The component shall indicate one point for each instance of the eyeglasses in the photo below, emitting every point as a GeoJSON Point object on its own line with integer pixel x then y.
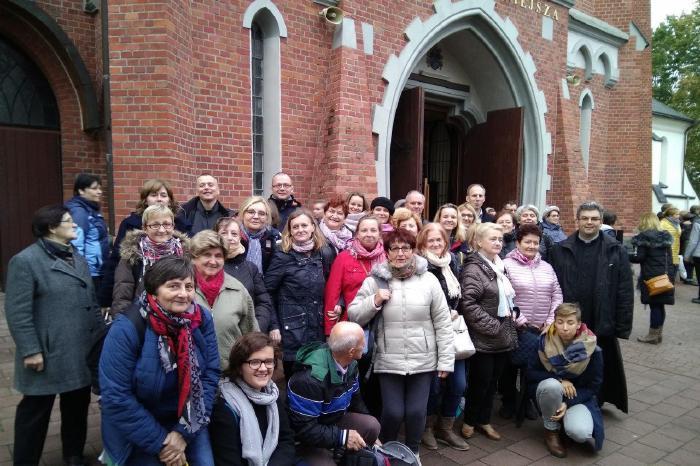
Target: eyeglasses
{"type": "Point", "coordinates": [256, 363]}
{"type": "Point", "coordinates": [158, 226]}
{"type": "Point", "coordinates": [282, 185]}
{"type": "Point", "coordinates": [252, 212]}
{"type": "Point", "coordinates": [590, 219]}
{"type": "Point", "coordinates": [403, 249]}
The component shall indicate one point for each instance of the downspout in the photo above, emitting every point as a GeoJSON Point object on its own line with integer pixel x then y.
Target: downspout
{"type": "Point", "coordinates": [685, 148]}
{"type": "Point", "coordinates": [107, 112]}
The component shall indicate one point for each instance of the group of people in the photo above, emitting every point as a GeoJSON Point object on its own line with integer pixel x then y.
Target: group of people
{"type": "Point", "coordinates": [360, 302]}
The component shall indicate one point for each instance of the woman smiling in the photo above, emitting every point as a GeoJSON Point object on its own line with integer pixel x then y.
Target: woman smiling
{"type": "Point", "coordinates": [332, 225]}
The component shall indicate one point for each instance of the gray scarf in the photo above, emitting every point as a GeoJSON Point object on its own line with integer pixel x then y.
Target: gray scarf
{"type": "Point", "coordinates": [240, 397]}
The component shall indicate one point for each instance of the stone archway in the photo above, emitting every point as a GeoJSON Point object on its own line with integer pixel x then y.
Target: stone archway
{"type": "Point", "coordinates": [501, 37]}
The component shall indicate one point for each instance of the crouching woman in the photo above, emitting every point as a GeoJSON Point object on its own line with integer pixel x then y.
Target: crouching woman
{"type": "Point", "coordinates": [249, 424]}
{"type": "Point", "coordinates": [565, 379]}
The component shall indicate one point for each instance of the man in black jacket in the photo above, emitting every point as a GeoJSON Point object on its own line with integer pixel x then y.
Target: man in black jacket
{"type": "Point", "coordinates": [202, 211]}
{"type": "Point", "coordinates": [283, 197]}
{"type": "Point", "coordinates": [325, 407]}
{"type": "Point", "coordinates": [594, 271]}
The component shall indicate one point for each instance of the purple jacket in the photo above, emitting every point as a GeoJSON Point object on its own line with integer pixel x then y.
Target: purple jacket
{"type": "Point", "coordinates": [537, 291]}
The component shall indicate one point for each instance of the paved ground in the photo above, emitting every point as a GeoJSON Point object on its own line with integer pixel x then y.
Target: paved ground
{"type": "Point", "coordinates": [663, 426]}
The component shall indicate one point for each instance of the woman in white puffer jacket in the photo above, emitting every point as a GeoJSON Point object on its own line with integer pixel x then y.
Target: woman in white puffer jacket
{"type": "Point", "coordinates": [414, 336]}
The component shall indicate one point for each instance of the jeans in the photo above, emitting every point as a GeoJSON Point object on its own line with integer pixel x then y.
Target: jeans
{"type": "Point", "coordinates": [404, 400]}
{"type": "Point", "coordinates": [484, 371]}
{"type": "Point", "coordinates": [578, 422]}
{"type": "Point", "coordinates": [32, 422]}
{"type": "Point", "coordinates": [450, 389]}
{"type": "Point", "coordinates": [657, 315]}
{"type": "Point", "coordinates": [198, 452]}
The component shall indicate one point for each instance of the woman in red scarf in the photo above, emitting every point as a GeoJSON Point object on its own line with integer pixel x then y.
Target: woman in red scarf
{"type": "Point", "coordinates": [228, 299]}
{"type": "Point", "coordinates": [158, 378]}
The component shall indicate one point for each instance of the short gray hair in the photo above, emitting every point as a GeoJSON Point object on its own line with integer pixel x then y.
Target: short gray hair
{"type": "Point", "coordinates": [346, 337]}
{"type": "Point", "coordinates": [412, 192]}
{"type": "Point", "coordinates": [529, 207]}
{"type": "Point", "coordinates": [589, 205]}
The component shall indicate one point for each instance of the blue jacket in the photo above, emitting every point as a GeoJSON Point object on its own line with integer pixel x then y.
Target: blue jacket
{"type": "Point", "coordinates": [139, 400]}
{"type": "Point", "coordinates": [587, 387]}
{"type": "Point", "coordinates": [94, 243]}
{"type": "Point", "coordinates": [552, 230]}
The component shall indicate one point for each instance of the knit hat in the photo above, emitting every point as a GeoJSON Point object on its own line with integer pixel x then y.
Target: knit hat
{"type": "Point", "coordinates": [383, 202]}
{"type": "Point", "coordinates": [549, 209]}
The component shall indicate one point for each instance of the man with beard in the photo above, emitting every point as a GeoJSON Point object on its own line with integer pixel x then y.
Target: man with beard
{"type": "Point", "coordinates": [593, 270]}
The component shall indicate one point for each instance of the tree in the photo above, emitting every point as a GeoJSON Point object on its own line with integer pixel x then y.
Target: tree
{"type": "Point", "coordinates": [676, 76]}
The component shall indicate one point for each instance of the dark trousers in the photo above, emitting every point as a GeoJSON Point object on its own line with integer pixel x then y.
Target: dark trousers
{"type": "Point", "coordinates": [657, 315]}
{"type": "Point", "coordinates": [696, 263]}
{"type": "Point", "coordinates": [404, 399]}
{"type": "Point", "coordinates": [507, 384]}
{"type": "Point", "coordinates": [365, 425]}
{"type": "Point", "coordinates": [32, 421]}
{"type": "Point", "coordinates": [484, 371]}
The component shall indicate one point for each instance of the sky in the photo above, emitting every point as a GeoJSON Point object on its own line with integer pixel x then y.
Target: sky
{"type": "Point", "coordinates": [662, 8]}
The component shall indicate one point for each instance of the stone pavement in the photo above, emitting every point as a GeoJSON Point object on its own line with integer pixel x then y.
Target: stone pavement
{"type": "Point", "coordinates": [663, 426]}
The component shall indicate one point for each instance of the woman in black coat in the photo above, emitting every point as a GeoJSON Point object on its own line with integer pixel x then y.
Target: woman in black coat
{"type": "Point", "coordinates": [653, 252]}
{"type": "Point", "coordinates": [249, 422]}
{"type": "Point", "coordinates": [258, 237]}
{"type": "Point", "coordinates": [296, 279]}
{"type": "Point", "coordinates": [248, 274]}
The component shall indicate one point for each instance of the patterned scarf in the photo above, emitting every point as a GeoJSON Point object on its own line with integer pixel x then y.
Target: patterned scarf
{"type": "Point", "coordinates": [375, 256]}
{"type": "Point", "coordinates": [152, 251]}
{"type": "Point", "coordinates": [338, 238]}
{"type": "Point", "coordinates": [210, 286]}
{"type": "Point", "coordinates": [566, 361]}
{"type": "Point", "coordinates": [176, 349]}
{"type": "Point", "coordinates": [453, 288]}
{"type": "Point", "coordinates": [405, 271]}
{"type": "Point", "coordinates": [305, 247]}
{"type": "Point", "coordinates": [254, 247]}
{"type": "Point", "coordinates": [352, 219]}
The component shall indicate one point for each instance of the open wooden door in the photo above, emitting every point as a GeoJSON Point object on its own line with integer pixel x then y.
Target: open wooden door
{"type": "Point", "coordinates": [406, 153]}
{"type": "Point", "coordinates": [493, 157]}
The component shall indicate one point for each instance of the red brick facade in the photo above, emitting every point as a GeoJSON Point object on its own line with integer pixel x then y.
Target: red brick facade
{"type": "Point", "coordinates": [181, 105]}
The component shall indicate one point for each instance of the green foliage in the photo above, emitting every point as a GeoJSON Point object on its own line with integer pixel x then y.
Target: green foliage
{"type": "Point", "coordinates": [676, 76]}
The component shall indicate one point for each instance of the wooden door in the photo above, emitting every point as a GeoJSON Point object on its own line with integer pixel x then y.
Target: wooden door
{"type": "Point", "coordinates": [406, 152]}
{"type": "Point", "coordinates": [30, 177]}
{"type": "Point", "coordinates": [493, 157]}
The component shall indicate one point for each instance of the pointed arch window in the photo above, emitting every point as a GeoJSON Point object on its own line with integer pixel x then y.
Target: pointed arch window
{"type": "Point", "coordinates": [586, 105]}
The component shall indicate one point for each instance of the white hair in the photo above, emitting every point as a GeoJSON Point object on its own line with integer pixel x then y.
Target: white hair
{"type": "Point", "coordinates": [344, 336]}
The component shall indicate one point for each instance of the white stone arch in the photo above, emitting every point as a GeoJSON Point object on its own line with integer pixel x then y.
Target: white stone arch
{"type": "Point", "coordinates": [258, 5]}
{"type": "Point", "coordinates": [585, 50]}
{"type": "Point", "coordinates": [501, 37]}
{"type": "Point", "coordinates": [586, 93]}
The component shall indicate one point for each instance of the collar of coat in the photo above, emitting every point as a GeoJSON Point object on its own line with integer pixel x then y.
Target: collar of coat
{"type": "Point", "coordinates": [383, 271]}
{"type": "Point", "coordinates": [653, 239]}
{"type": "Point", "coordinates": [608, 241]}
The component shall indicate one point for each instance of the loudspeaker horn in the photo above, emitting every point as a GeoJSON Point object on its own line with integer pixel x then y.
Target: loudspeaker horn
{"type": "Point", "coordinates": [574, 80]}
{"type": "Point", "coordinates": [332, 15]}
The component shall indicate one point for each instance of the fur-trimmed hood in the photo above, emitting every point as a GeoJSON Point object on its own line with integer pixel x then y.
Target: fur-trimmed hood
{"type": "Point", "coordinates": [653, 239]}
{"type": "Point", "coordinates": [383, 272]}
{"type": "Point", "coordinates": [131, 252]}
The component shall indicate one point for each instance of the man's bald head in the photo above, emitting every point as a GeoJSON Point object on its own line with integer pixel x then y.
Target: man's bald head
{"type": "Point", "coordinates": [346, 336]}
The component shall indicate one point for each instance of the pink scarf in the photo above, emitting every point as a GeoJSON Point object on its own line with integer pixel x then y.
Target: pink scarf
{"type": "Point", "coordinates": [375, 256]}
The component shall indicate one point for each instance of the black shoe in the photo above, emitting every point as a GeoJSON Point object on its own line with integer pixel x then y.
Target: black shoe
{"type": "Point", "coordinates": [530, 411]}
{"type": "Point", "coordinates": [76, 461]}
{"type": "Point", "coordinates": [506, 411]}
{"type": "Point", "coordinates": [690, 282]}
{"type": "Point", "coordinates": [695, 300]}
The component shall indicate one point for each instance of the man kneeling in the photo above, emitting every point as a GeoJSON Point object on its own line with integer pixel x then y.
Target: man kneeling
{"type": "Point", "coordinates": [326, 410]}
{"type": "Point", "coordinates": [565, 380]}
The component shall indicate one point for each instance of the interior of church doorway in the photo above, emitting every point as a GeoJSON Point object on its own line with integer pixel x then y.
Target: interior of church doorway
{"type": "Point", "coordinates": [30, 149]}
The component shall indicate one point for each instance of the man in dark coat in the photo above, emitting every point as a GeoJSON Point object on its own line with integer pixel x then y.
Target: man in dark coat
{"type": "Point", "coordinates": [283, 198]}
{"type": "Point", "coordinates": [594, 271]}
{"type": "Point", "coordinates": [476, 196]}
{"type": "Point", "coordinates": [202, 211]}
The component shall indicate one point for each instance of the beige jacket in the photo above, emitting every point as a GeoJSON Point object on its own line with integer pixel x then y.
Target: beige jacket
{"type": "Point", "coordinates": [234, 315]}
{"type": "Point", "coordinates": [414, 331]}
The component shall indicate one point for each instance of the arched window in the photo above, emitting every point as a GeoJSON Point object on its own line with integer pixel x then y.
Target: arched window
{"type": "Point", "coordinates": [586, 105]}
{"type": "Point", "coordinates": [26, 99]}
{"type": "Point", "coordinates": [266, 26]}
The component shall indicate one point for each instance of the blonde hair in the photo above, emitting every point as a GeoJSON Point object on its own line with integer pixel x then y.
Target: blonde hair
{"type": "Point", "coordinates": [460, 233]}
{"type": "Point", "coordinates": [481, 230]}
{"type": "Point", "coordinates": [422, 238]}
{"type": "Point", "coordinates": [568, 309]}
{"type": "Point", "coordinates": [206, 240]}
{"type": "Point", "coordinates": [155, 210]}
{"type": "Point", "coordinates": [671, 211]}
{"type": "Point", "coordinates": [402, 214]}
{"type": "Point", "coordinates": [317, 236]}
{"type": "Point", "coordinates": [468, 206]}
{"type": "Point", "coordinates": [245, 205]}
{"type": "Point", "coordinates": [649, 221]}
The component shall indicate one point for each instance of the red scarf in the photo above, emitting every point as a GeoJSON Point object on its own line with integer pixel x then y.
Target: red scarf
{"type": "Point", "coordinates": [179, 338]}
{"type": "Point", "coordinates": [210, 286]}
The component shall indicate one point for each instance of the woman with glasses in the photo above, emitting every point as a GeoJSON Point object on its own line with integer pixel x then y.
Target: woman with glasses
{"type": "Point", "coordinates": [413, 341]}
{"type": "Point", "coordinates": [140, 249]}
{"type": "Point", "coordinates": [249, 424]}
{"type": "Point", "coordinates": [332, 225]}
{"type": "Point", "coordinates": [248, 274]}
{"type": "Point", "coordinates": [296, 280]}
{"type": "Point", "coordinates": [487, 307]}
{"type": "Point", "coordinates": [229, 301]}
{"type": "Point", "coordinates": [467, 215]}
{"type": "Point", "coordinates": [258, 237]}
{"type": "Point", "coordinates": [51, 309]}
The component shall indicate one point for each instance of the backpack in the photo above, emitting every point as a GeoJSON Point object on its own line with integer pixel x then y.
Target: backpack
{"type": "Point", "coordinates": [390, 454]}
{"type": "Point", "coordinates": [133, 313]}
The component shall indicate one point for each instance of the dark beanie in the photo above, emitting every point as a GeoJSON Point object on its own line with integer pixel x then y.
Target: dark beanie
{"type": "Point", "coordinates": [383, 202]}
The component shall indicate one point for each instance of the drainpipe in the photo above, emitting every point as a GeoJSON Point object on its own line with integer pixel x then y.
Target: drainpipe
{"type": "Point", "coordinates": [685, 147]}
{"type": "Point", "coordinates": [107, 112]}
